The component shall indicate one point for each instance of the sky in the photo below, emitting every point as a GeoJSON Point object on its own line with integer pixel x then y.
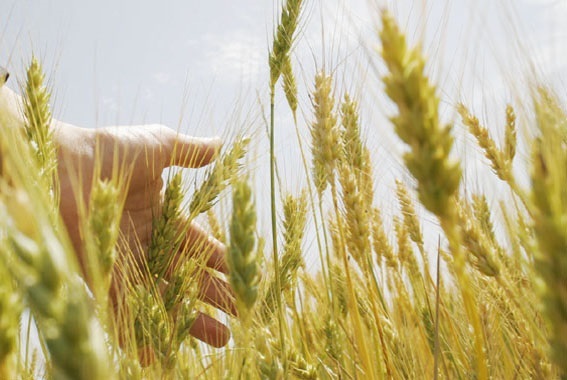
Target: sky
{"type": "Point", "coordinates": [201, 66]}
{"type": "Point", "coordinates": [142, 61]}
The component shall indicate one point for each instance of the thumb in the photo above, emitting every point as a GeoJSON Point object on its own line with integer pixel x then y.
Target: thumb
{"type": "Point", "coordinates": [192, 152]}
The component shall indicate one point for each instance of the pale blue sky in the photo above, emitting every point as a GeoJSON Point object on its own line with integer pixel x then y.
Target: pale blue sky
{"type": "Point", "coordinates": [132, 61]}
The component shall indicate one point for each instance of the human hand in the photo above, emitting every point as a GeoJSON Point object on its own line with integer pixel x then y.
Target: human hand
{"type": "Point", "coordinates": [146, 151]}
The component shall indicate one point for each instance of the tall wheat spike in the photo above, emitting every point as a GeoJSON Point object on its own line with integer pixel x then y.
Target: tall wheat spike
{"type": "Point", "coordinates": [283, 39]}
{"type": "Point", "coordinates": [279, 62]}
{"type": "Point", "coordinates": [501, 164]}
{"type": "Point", "coordinates": [356, 217]}
{"type": "Point", "coordinates": [550, 200]}
{"type": "Point", "coordinates": [38, 125]}
{"type": "Point", "coordinates": [325, 134]}
{"type": "Point", "coordinates": [241, 259]}
{"type": "Point", "coordinates": [417, 122]}
{"type": "Point", "coordinates": [438, 177]}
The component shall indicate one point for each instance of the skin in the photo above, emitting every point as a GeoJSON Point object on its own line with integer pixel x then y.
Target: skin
{"type": "Point", "coordinates": [145, 151]}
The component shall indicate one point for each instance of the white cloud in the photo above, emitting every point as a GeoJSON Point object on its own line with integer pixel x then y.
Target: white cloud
{"type": "Point", "coordinates": [161, 77]}
{"type": "Point", "coordinates": [552, 3]}
{"type": "Point", "coordinates": [110, 103]}
{"type": "Point", "coordinates": [237, 57]}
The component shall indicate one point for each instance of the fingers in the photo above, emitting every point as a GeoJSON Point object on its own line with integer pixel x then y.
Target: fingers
{"type": "Point", "coordinates": [201, 246]}
{"type": "Point", "coordinates": [192, 152]}
{"type": "Point", "coordinates": [217, 293]}
{"type": "Point", "coordinates": [210, 331]}
{"type": "Point", "coordinates": [205, 328]}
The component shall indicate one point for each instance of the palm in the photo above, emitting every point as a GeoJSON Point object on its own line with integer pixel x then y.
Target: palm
{"type": "Point", "coordinates": [145, 151]}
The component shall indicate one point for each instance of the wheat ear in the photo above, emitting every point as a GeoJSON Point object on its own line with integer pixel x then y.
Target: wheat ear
{"type": "Point", "coordinates": [39, 132]}
{"type": "Point", "coordinates": [325, 134]}
{"type": "Point", "coordinates": [550, 200]}
{"type": "Point", "coordinates": [438, 177]}
{"type": "Point", "coordinates": [57, 298]}
{"type": "Point", "coordinates": [295, 213]}
{"type": "Point", "coordinates": [218, 178]}
{"type": "Point", "coordinates": [242, 259]}
{"type": "Point", "coordinates": [283, 39]}
{"type": "Point", "coordinates": [105, 211]}
{"type": "Point", "coordinates": [166, 238]}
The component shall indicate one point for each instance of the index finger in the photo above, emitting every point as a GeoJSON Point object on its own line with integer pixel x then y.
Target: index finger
{"type": "Point", "coordinates": [198, 244]}
{"type": "Point", "coordinates": [192, 152]}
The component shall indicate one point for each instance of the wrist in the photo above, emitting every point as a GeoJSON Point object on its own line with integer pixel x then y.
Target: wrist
{"type": "Point", "coordinates": [10, 109]}
{"type": "Point", "coordinates": [74, 143]}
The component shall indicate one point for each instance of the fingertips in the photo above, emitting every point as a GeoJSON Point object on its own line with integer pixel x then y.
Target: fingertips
{"type": "Point", "coordinates": [217, 293]}
{"type": "Point", "coordinates": [202, 245]}
{"type": "Point", "coordinates": [210, 331]}
{"type": "Point", "coordinates": [193, 152]}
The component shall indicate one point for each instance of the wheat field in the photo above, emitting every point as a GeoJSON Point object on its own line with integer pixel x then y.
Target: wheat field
{"type": "Point", "coordinates": [487, 300]}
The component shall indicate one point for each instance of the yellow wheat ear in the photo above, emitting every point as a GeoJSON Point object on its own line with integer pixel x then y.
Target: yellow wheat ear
{"type": "Point", "coordinates": [438, 177]}
{"type": "Point", "coordinates": [417, 122]}
{"type": "Point", "coordinates": [325, 134]}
